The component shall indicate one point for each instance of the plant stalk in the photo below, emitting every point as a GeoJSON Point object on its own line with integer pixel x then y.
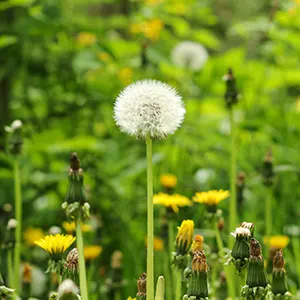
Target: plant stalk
{"type": "Point", "coordinates": [150, 227]}
{"type": "Point", "coordinates": [233, 205]}
{"type": "Point", "coordinates": [82, 270]}
{"type": "Point", "coordinates": [268, 212]}
{"type": "Point", "coordinates": [10, 267]}
{"type": "Point", "coordinates": [18, 232]}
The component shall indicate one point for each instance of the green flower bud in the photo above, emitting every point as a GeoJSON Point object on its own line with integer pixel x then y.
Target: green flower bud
{"type": "Point", "coordinates": [267, 170]}
{"type": "Point", "coordinates": [231, 94]}
{"type": "Point", "coordinates": [160, 288]}
{"type": "Point", "coordinates": [279, 285]}
{"type": "Point", "coordinates": [197, 281]}
{"type": "Point", "coordinates": [15, 138]}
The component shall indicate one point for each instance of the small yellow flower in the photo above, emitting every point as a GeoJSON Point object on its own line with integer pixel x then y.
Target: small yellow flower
{"type": "Point", "coordinates": [276, 241]}
{"type": "Point", "coordinates": [158, 243]}
{"type": "Point", "coordinates": [103, 56]}
{"type": "Point", "coordinates": [86, 39]}
{"type": "Point", "coordinates": [174, 201]}
{"type": "Point", "coordinates": [184, 236]}
{"type": "Point", "coordinates": [153, 2]}
{"type": "Point", "coordinates": [197, 243]}
{"type": "Point", "coordinates": [211, 198]}
{"type": "Point", "coordinates": [297, 1]}
{"type": "Point", "coordinates": [168, 180]}
{"type": "Point", "coordinates": [70, 227]}
{"type": "Point", "coordinates": [150, 29]}
{"type": "Point", "coordinates": [129, 298]}
{"type": "Point", "coordinates": [92, 252]}
{"type": "Point", "coordinates": [33, 234]}
{"type": "Point", "coordinates": [125, 75]}
{"type": "Point", "coordinates": [56, 244]}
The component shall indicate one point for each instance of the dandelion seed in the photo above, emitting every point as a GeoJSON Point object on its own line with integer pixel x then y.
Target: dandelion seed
{"type": "Point", "coordinates": [190, 55]}
{"type": "Point", "coordinates": [149, 107]}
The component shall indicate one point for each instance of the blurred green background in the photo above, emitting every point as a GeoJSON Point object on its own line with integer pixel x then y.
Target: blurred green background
{"type": "Point", "coordinates": [64, 62]}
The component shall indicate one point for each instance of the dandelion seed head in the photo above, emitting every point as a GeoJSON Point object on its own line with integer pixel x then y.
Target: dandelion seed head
{"type": "Point", "coordinates": [149, 107]}
{"type": "Point", "coordinates": [190, 55]}
{"type": "Point", "coordinates": [241, 231]}
{"type": "Point", "coordinates": [67, 287]}
{"type": "Point", "coordinates": [12, 224]}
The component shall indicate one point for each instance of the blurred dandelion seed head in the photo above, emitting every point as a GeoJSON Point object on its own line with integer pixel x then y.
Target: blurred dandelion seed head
{"type": "Point", "coordinates": [12, 224]}
{"type": "Point", "coordinates": [190, 55]}
{"type": "Point", "coordinates": [67, 287]}
{"type": "Point", "coordinates": [149, 107]}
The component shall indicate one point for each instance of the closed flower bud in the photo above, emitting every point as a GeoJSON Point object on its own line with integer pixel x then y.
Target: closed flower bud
{"type": "Point", "coordinates": [241, 251]}
{"type": "Point", "coordinates": [15, 138]}
{"type": "Point", "coordinates": [141, 287]}
{"type": "Point", "coordinates": [231, 94]}
{"type": "Point", "coordinates": [267, 170]}
{"type": "Point", "coordinates": [256, 283]}
{"type": "Point", "coordinates": [279, 285]}
{"type": "Point", "coordinates": [197, 281]}
{"type": "Point", "coordinates": [184, 237]}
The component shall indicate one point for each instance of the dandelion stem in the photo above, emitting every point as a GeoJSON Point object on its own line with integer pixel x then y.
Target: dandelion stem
{"type": "Point", "coordinates": [18, 232]}
{"type": "Point", "coordinates": [10, 268]}
{"type": "Point", "coordinates": [228, 271]}
{"type": "Point", "coordinates": [268, 212]}
{"type": "Point", "coordinates": [178, 284]}
{"type": "Point", "coordinates": [82, 271]}
{"type": "Point", "coordinates": [167, 273]}
{"type": "Point", "coordinates": [150, 228]}
{"type": "Point", "coordinates": [233, 206]}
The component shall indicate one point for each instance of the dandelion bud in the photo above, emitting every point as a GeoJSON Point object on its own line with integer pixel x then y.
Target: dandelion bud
{"type": "Point", "coordinates": [160, 288]}
{"type": "Point", "coordinates": [256, 283]}
{"type": "Point", "coordinates": [197, 244]}
{"type": "Point", "coordinates": [197, 287]}
{"type": "Point", "coordinates": [141, 287]}
{"type": "Point", "coordinates": [231, 94]}
{"type": "Point", "coordinates": [72, 261]}
{"type": "Point", "coordinates": [279, 285]}
{"type": "Point", "coordinates": [149, 108]}
{"type": "Point", "coordinates": [240, 186]}
{"type": "Point", "coordinates": [68, 290]}
{"type": "Point", "coordinates": [221, 224]}
{"type": "Point", "coordinates": [184, 237]}
{"type": "Point", "coordinates": [15, 138]}
{"type": "Point", "coordinates": [267, 170]}
{"type": "Point", "coordinates": [76, 191]}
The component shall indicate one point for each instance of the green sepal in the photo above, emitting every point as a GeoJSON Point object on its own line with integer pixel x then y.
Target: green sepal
{"type": "Point", "coordinates": [279, 285]}
{"type": "Point", "coordinates": [197, 285]}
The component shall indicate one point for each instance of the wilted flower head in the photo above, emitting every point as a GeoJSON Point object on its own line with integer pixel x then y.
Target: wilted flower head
{"type": "Point", "coordinates": [197, 243]}
{"type": "Point", "coordinates": [72, 261]}
{"type": "Point", "coordinates": [149, 107]}
{"type": "Point", "coordinates": [189, 54]}
{"type": "Point", "coordinates": [141, 285]}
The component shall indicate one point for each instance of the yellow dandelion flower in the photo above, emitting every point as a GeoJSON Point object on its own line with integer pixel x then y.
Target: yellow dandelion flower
{"type": "Point", "coordinates": [129, 298]}
{"type": "Point", "coordinates": [150, 29]}
{"type": "Point", "coordinates": [103, 56]}
{"type": "Point", "coordinates": [173, 201]}
{"type": "Point", "coordinates": [211, 198]}
{"type": "Point", "coordinates": [158, 243]}
{"type": "Point", "coordinates": [92, 252]}
{"type": "Point", "coordinates": [153, 2]}
{"type": "Point", "coordinates": [86, 39]}
{"type": "Point", "coordinates": [197, 243]}
{"type": "Point", "coordinates": [125, 75]}
{"type": "Point", "coordinates": [292, 10]}
{"type": "Point", "coordinates": [184, 237]}
{"type": "Point", "coordinates": [70, 227]}
{"type": "Point", "coordinates": [297, 1]}
{"type": "Point", "coordinates": [33, 234]}
{"type": "Point", "coordinates": [276, 241]}
{"type": "Point", "coordinates": [168, 180]}
{"type": "Point", "coordinates": [56, 244]}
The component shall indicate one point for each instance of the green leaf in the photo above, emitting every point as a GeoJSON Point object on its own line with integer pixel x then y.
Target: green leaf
{"type": "Point", "coordinates": [7, 40]}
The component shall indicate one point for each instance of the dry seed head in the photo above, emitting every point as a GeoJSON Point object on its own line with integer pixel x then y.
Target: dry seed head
{"type": "Point", "coordinates": [72, 260]}
{"type": "Point", "coordinates": [199, 262]}
{"type": "Point", "coordinates": [278, 261]}
{"type": "Point", "coordinates": [141, 285]}
{"type": "Point", "coordinates": [255, 249]}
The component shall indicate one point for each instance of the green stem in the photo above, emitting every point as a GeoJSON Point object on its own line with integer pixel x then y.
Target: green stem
{"type": "Point", "coordinates": [296, 249]}
{"type": "Point", "coordinates": [233, 205]}
{"type": "Point", "coordinates": [228, 271]}
{"type": "Point", "coordinates": [82, 271]}
{"type": "Point", "coordinates": [18, 232]}
{"type": "Point", "coordinates": [268, 212]}
{"type": "Point", "coordinates": [214, 281]}
{"type": "Point", "coordinates": [171, 249]}
{"type": "Point", "coordinates": [167, 273]}
{"type": "Point", "coordinates": [10, 267]}
{"type": "Point", "coordinates": [178, 284]}
{"type": "Point", "coordinates": [150, 227]}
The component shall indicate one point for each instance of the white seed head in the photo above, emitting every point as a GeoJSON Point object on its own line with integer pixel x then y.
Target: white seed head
{"type": "Point", "coordinates": [16, 124]}
{"type": "Point", "coordinates": [54, 230]}
{"type": "Point", "coordinates": [149, 107]}
{"type": "Point", "coordinates": [67, 287]}
{"type": "Point", "coordinates": [241, 231]}
{"type": "Point", "coordinates": [12, 224]}
{"type": "Point", "coordinates": [190, 55]}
